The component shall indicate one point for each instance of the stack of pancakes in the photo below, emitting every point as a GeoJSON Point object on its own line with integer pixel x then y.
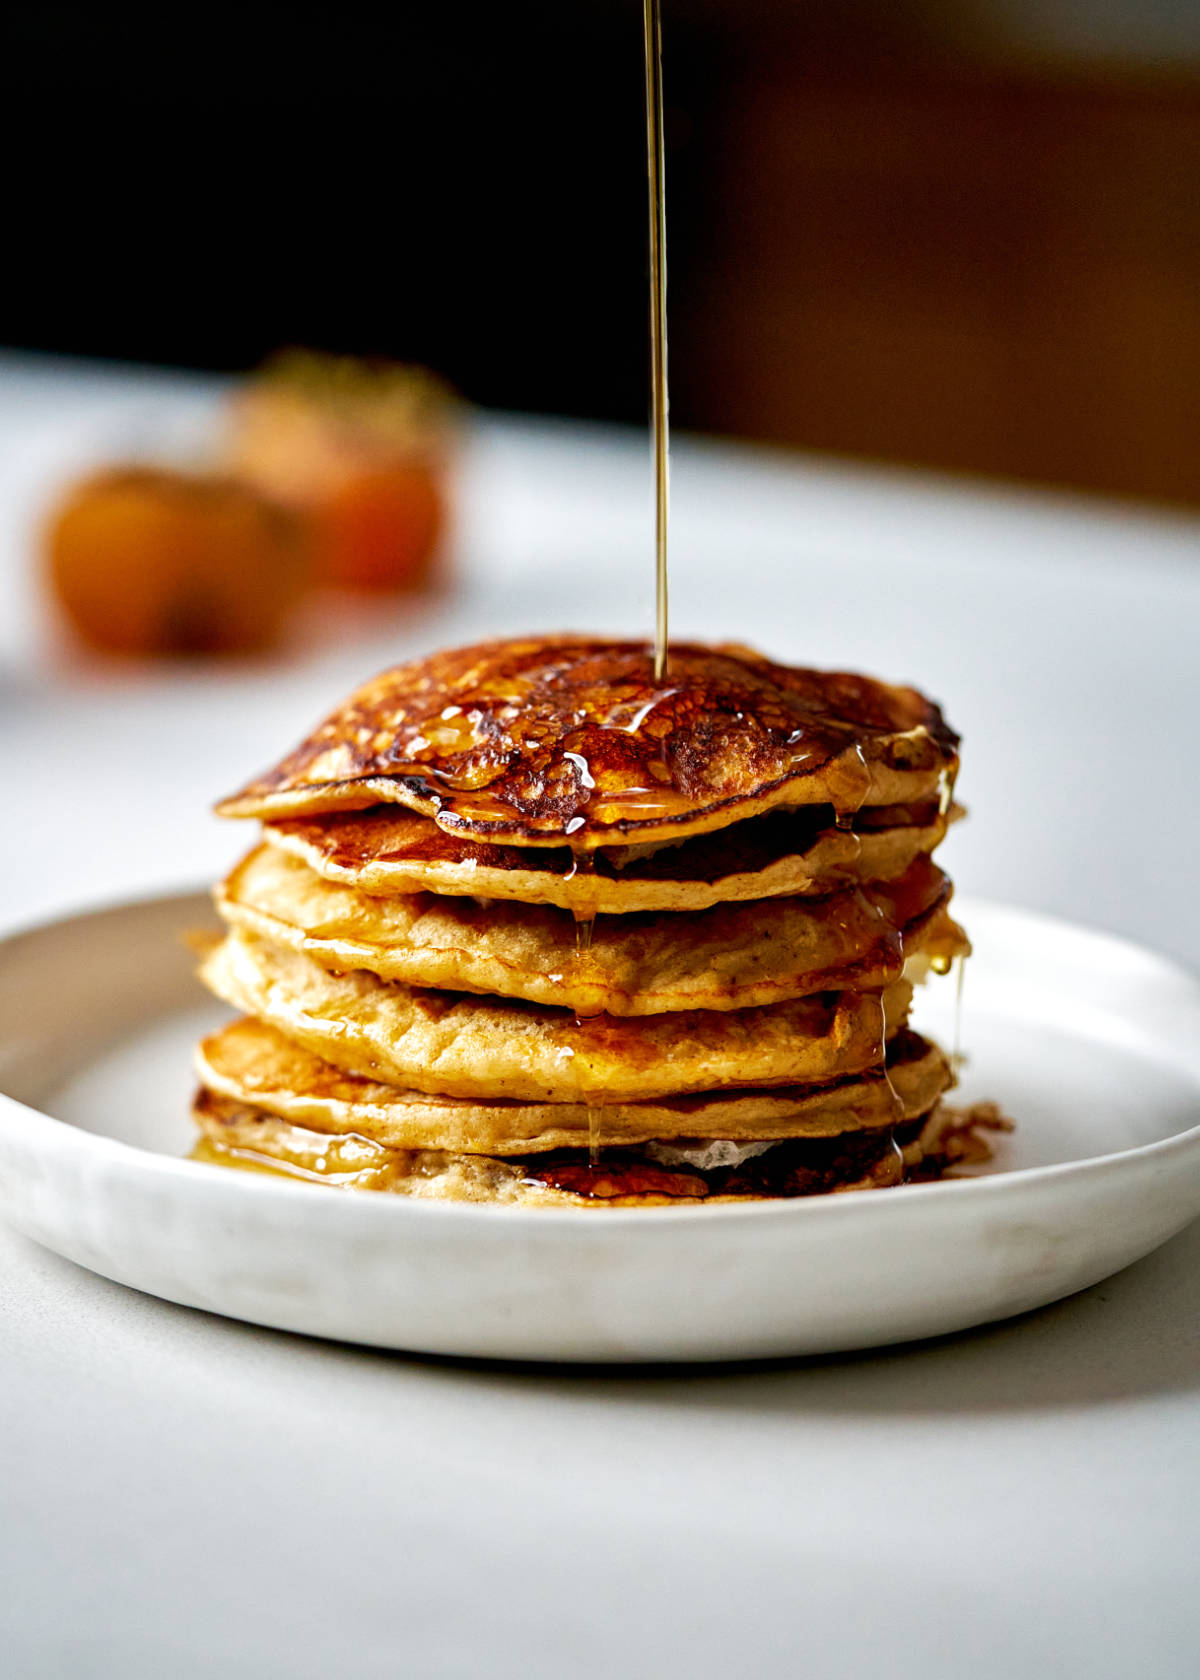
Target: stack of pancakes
{"type": "Point", "coordinates": [526, 926]}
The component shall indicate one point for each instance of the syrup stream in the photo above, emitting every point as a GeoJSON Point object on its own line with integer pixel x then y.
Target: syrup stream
{"type": "Point", "coordinates": [659, 424]}
{"type": "Point", "coordinates": [660, 439]}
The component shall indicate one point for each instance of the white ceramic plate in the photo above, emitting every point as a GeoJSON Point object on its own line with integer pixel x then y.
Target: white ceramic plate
{"type": "Point", "coordinates": [1092, 1044]}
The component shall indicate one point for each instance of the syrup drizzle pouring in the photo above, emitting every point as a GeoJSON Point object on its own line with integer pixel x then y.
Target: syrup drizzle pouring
{"type": "Point", "coordinates": [582, 860]}
{"type": "Point", "coordinates": [659, 421]}
{"type": "Point", "coordinates": [858, 778]}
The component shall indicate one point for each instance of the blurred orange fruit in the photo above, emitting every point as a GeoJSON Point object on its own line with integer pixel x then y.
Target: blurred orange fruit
{"type": "Point", "coordinates": [144, 560]}
{"type": "Point", "coordinates": [359, 448]}
{"type": "Point", "coordinates": [379, 528]}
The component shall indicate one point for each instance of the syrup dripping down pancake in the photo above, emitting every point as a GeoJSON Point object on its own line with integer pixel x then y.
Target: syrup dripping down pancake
{"type": "Point", "coordinates": [465, 1046]}
{"type": "Point", "coordinates": [252, 1066]}
{"type": "Point", "coordinates": [552, 739]}
{"type": "Point", "coordinates": [388, 851]}
{"type": "Point", "coordinates": [732, 957]}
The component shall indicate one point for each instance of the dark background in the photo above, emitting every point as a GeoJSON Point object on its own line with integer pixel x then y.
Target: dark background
{"type": "Point", "coordinates": [907, 231]}
{"type": "Point", "coordinates": [460, 185]}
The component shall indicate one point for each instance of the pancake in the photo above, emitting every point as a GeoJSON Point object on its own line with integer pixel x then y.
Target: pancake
{"type": "Point", "coordinates": [388, 851]}
{"type": "Point", "coordinates": [731, 957]}
{"type": "Point", "coordinates": [551, 739]}
{"type": "Point", "coordinates": [921, 1149]}
{"type": "Point", "coordinates": [934, 1144]}
{"type": "Point", "coordinates": [251, 1066]}
{"type": "Point", "coordinates": [463, 1046]}
{"type": "Point", "coordinates": [244, 1137]}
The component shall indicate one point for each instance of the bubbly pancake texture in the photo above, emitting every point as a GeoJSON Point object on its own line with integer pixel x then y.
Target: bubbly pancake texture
{"type": "Point", "coordinates": [735, 956]}
{"type": "Point", "coordinates": [388, 851]}
{"type": "Point", "coordinates": [543, 740]}
{"type": "Point", "coordinates": [464, 1046]}
{"type": "Point", "coordinates": [253, 1066]}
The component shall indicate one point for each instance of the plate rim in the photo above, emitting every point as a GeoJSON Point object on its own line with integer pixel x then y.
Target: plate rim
{"type": "Point", "coordinates": [180, 1169]}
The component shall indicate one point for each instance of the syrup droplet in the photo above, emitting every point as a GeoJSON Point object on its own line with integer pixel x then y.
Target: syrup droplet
{"type": "Point", "coordinates": [586, 779]}
{"type": "Point", "coordinates": [946, 780]}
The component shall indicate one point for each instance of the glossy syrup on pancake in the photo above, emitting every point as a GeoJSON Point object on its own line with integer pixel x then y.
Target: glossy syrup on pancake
{"type": "Point", "coordinates": [569, 740]}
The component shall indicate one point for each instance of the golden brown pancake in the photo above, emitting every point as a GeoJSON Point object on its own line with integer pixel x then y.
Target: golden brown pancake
{"type": "Point", "coordinates": [731, 957]}
{"type": "Point", "coordinates": [247, 1137]}
{"type": "Point", "coordinates": [919, 1150]}
{"type": "Point", "coordinates": [252, 1066]}
{"type": "Point", "coordinates": [550, 739]}
{"type": "Point", "coordinates": [463, 1046]}
{"type": "Point", "coordinates": [925, 1147]}
{"type": "Point", "coordinates": [689, 1168]}
{"type": "Point", "coordinates": [388, 851]}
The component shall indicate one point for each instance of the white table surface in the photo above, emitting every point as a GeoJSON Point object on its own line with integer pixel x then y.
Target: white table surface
{"type": "Point", "coordinates": [180, 1495]}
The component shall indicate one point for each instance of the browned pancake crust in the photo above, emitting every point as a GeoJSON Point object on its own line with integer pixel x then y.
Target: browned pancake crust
{"type": "Point", "coordinates": [547, 739]}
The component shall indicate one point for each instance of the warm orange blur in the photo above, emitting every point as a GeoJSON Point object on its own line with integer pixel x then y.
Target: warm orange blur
{"type": "Point", "coordinates": [379, 528]}
{"type": "Point", "coordinates": [359, 449]}
{"type": "Point", "coordinates": [145, 561]}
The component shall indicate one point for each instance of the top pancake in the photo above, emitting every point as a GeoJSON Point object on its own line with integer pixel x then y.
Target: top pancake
{"type": "Point", "coordinates": [546, 740]}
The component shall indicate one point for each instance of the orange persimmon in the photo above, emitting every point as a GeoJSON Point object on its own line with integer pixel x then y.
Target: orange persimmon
{"type": "Point", "coordinates": [359, 449]}
{"type": "Point", "coordinates": [379, 528]}
{"type": "Point", "coordinates": [148, 561]}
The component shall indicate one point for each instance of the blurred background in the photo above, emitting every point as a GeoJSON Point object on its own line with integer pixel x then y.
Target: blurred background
{"type": "Point", "coordinates": [958, 233]}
